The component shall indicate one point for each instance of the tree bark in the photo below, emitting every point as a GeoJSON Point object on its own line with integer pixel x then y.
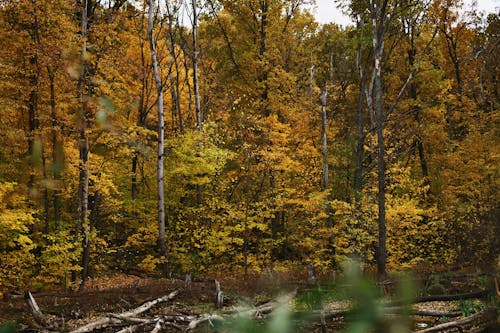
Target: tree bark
{"type": "Point", "coordinates": [83, 185]}
{"type": "Point", "coordinates": [174, 82]}
{"type": "Point", "coordinates": [358, 170]}
{"type": "Point", "coordinates": [143, 108]}
{"type": "Point", "coordinates": [33, 98]}
{"type": "Point", "coordinates": [199, 120]}
{"type": "Point", "coordinates": [57, 158]}
{"type": "Point", "coordinates": [161, 140]}
{"type": "Point", "coordinates": [413, 95]}
{"type": "Point", "coordinates": [262, 52]}
{"type": "Point", "coordinates": [324, 178]}
{"type": "Point", "coordinates": [378, 20]}
{"type": "Point", "coordinates": [324, 143]}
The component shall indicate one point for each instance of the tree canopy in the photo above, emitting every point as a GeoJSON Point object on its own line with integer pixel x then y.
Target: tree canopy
{"type": "Point", "coordinates": [281, 141]}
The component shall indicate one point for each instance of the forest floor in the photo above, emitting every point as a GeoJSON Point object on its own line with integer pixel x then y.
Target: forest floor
{"type": "Point", "coordinates": [120, 293]}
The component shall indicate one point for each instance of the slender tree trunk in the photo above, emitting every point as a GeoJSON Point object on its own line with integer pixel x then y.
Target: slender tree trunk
{"type": "Point", "coordinates": [199, 119]}
{"type": "Point", "coordinates": [33, 98]}
{"type": "Point", "coordinates": [311, 79]}
{"type": "Point", "coordinates": [413, 95]}
{"type": "Point", "coordinates": [324, 178]}
{"type": "Point", "coordinates": [324, 147]}
{"type": "Point", "coordinates": [142, 112]}
{"type": "Point", "coordinates": [174, 83]}
{"type": "Point", "coordinates": [92, 220]}
{"type": "Point", "coordinates": [187, 82]}
{"type": "Point", "coordinates": [46, 199]}
{"type": "Point", "coordinates": [134, 190]}
{"type": "Point", "coordinates": [358, 170]}
{"type": "Point", "coordinates": [83, 186]}
{"type": "Point", "coordinates": [57, 159]}
{"type": "Point", "coordinates": [161, 137]}
{"type": "Point", "coordinates": [378, 48]}
{"type": "Point", "coordinates": [262, 53]}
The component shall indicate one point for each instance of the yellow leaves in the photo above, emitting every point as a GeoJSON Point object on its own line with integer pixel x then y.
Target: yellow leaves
{"type": "Point", "coordinates": [16, 260]}
{"type": "Point", "coordinates": [143, 236]}
{"type": "Point", "coordinates": [14, 222]}
{"type": "Point", "coordinates": [150, 264]}
{"type": "Point", "coordinates": [195, 158]}
{"type": "Point", "coordinates": [58, 258]}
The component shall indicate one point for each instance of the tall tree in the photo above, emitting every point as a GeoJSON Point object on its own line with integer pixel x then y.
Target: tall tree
{"type": "Point", "coordinates": [83, 185]}
{"type": "Point", "coordinates": [199, 120]}
{"type": "Point", "coordinates": [161, 137]}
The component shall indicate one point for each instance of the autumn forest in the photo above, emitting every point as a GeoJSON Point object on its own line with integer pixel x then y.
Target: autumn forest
{"type": "Point", "coordinates": [243, 137]}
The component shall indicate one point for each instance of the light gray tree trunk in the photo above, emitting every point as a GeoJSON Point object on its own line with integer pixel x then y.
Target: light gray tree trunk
{"type": "Point", "coordinates": [161, 137]}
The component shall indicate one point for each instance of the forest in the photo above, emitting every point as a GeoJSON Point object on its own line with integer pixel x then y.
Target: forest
{"type": "Point", "coordinates": [185, 139]}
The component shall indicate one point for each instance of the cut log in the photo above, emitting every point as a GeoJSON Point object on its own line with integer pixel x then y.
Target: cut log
{"type": "Point", "coordinates": [483, 319]}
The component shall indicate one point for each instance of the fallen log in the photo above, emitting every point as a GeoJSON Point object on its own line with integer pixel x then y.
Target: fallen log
{"type": "Point", "coordinates": [158, 326]}
{"type": "Point", "coordinates": [206, 317]}
{"type": "Point", "coordinates": [267, 307]}
{"type": "Point", "coordinates": [104, 322]}
{"type": "Point", "coordinates": [424, 313]}
{"type": "Point", "coordinates": [441, 298]}
{"type": "Point", "coordinates": [257, 312]}
{"type": "Point", "coordinates": [35, 309]}
{"type": "Point", "coordinates": [483, 318]}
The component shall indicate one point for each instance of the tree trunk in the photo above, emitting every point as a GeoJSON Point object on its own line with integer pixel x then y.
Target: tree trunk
{"type": "Point", "coordinates": [324, 178]}
{"type": "Point", "coordinates": [187, 82]}
{"type": "Point", "coordinates": [378, 49]}
{"type": "Point", "coordinates": [142, 111]}
{"type": "Point", "coordinates": [134, 191]}
{"type": "Point", "coordinates": [262, 51]}
{"type": "Point", "coordinates": [174, 83]}
{"type": "Point", "coordinates": [83, 185]}
{"type": "Point", "coordinates": [161, 137]}
{"type": "Point", "coordinates": [199, 120]}
{"type": "Point", "coordinates": [33, 99]}
{"type": "Point", "coordinates": [57, 158]}
{"type": "Point", "coordinates": [358, 170]}
{"type": "Point", "coordinates": [324, 147]}
{"type": "Point", "coordinates": [413, 95]}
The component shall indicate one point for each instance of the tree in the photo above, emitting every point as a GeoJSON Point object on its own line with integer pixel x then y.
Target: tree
{"type": "Point", "coordinates": [161, 138]}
